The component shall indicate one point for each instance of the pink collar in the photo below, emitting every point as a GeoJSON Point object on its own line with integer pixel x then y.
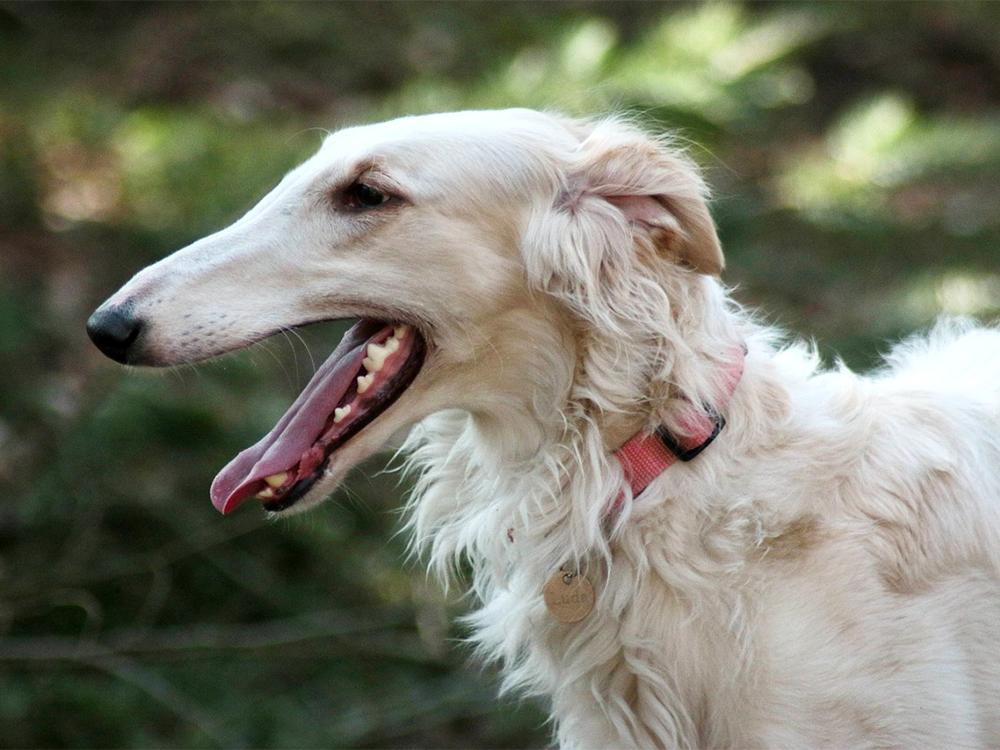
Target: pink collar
{"type": "Point", "coordinates": [646, 455]}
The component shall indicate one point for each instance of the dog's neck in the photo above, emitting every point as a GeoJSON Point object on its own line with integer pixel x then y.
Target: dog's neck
{"type": "Point", "coordinates": [550, 475]}
{"type": "Point", "coordinates": [617, 429]}
{"type": "Point", "coordinates": [477, 482]}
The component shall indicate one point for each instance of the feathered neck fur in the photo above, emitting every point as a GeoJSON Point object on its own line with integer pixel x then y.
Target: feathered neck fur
{"type": "Point", "coordinates": [546, 483]}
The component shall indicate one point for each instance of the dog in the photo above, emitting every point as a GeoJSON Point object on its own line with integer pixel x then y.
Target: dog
{"type": "Point", "coordinates": [682, 531]}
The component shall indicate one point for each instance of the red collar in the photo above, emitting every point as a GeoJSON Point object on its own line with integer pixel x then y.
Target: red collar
{"type": "Point", "coordinates": [646, 455]}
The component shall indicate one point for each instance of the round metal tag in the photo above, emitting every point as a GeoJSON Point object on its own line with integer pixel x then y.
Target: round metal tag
{"type": "Point", "coordinates": [569, 597]}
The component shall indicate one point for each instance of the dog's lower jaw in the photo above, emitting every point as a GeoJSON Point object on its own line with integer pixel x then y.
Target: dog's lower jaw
{"type": "Point", "coordinates": [369, 441]}
{"type": "Point", "coordinates": [323, 488]}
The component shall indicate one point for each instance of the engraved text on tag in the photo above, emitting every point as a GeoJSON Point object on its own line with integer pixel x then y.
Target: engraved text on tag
{"type": "Point", "coordinates": [569, 596]}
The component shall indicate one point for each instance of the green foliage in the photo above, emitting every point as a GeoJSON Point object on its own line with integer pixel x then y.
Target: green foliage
{"type": "Point", "coordinates": [854, 149]}
{"type": "Point", "coordinates": [880, 152]}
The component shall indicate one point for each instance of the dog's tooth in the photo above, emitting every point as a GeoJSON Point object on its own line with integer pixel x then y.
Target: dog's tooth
{"type": "Point", "coordinates": [392, 344]}
{"type": "Point", "coordinates": [276, 480]}
{"type": "Point", "coordinates": [364, 382]}
{"type": "Point", "coordinates": [400, 331]}
{"type": "Point", "coordinates": [266, 494]}
{"type": "Point", "coordinates": [342, 411]}
{"type": "Point", "coordinates": [376, 357]}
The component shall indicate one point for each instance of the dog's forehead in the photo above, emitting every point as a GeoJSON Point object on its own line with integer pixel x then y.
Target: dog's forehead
{"type": "Point", "coordinates": [503, 124]}
{"type": "Point", "coordinates": [493, 143]}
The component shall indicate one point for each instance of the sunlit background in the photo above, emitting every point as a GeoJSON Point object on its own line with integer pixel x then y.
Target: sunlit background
{"type": "Point", "coordinates": [854, 150]}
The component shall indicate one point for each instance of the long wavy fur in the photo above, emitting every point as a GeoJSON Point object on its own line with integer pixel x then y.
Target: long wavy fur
{"type": "Point", "coordinates": [677, 652]}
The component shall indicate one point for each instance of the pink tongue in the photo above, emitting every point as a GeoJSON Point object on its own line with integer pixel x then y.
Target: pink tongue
{"type": "Point", "coordinates": [300, 426]}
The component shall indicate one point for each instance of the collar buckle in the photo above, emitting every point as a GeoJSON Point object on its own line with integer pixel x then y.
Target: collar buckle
{"type": "Point", "coordinates": [686, 454]}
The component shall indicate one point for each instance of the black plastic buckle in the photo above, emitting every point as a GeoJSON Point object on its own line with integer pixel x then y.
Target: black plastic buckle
{"type": "Point", "coordinates": [686, 455]}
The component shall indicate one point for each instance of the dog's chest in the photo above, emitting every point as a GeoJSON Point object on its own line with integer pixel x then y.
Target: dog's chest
{"type": "Point", "coordinates": [643, 649]}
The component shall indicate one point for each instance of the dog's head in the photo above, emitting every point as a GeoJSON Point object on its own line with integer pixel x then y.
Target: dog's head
{"type": "Point", "coordinates": [480, 251]}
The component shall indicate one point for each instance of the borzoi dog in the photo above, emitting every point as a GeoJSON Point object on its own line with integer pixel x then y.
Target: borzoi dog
{"type": "Point", "coordinates": [681, 533]}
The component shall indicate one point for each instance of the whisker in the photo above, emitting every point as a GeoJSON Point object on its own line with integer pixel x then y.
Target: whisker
{"type": "Point", "coordinates": [265, 346]}
{"type": "Point", "coordinates": [305, 344]}
{"type": "Point", "coordinates": [295, 354]}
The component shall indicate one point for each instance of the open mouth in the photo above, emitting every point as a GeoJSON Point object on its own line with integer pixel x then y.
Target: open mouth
{"type": "Point", "coordinates": [371, 367]}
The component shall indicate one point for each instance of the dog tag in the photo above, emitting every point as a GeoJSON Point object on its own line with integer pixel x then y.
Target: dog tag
{"type": "Point", "coordinates": [569, 596]}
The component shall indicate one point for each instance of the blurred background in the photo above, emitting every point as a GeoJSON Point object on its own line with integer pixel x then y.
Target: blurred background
{"type": "Point", "coordinates": [854, 150]}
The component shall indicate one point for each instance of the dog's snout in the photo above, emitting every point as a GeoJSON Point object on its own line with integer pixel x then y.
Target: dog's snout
{"type": "Point", "coordinates": [114, 331]}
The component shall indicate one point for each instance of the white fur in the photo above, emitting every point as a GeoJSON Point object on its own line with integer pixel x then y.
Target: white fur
{"type": "Point", "coordinates": [824, 575]}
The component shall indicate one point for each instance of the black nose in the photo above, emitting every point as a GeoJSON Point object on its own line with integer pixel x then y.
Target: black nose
{"type": "Point", "coordinates": [114, 330]}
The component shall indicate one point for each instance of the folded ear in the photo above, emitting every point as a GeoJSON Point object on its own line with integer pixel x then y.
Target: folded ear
{"type": "Point", "coordinates": [654, 188]}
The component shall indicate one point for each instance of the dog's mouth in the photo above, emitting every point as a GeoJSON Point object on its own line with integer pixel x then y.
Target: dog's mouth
{"type": "Point", "coordinates": [374, 363]}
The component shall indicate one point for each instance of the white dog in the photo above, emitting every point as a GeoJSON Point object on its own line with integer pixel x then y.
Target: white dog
{"type": "Point", "coordinates": [822, 574]}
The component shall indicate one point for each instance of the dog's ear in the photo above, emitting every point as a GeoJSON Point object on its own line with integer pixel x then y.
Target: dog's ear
{"type": "Point", "coordinates": [630, 210]}
{"type": "Point", "coordinates": [622, 176]}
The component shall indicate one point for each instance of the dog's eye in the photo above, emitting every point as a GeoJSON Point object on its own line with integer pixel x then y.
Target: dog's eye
{"type": "Point", "coordinates": [359, 196]}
